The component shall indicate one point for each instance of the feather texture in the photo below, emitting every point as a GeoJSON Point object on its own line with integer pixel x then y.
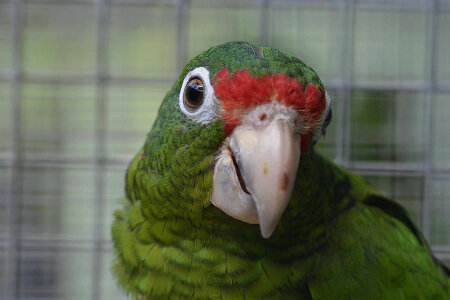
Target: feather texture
{"type": "Point", "coordinates": [337, 239]}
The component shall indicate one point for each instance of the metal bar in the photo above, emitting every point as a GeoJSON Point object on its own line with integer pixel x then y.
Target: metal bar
{"type": "Point", "coordinates": [386, 173]}
{"type": "Point", "coordinates": [145, 2]}
{"type": "Point", "coordinates": [344, 105]}
{"type": "Point", "coordinates": [383, 85]}
{"type": "Point", "coordinates": [55, 162]}
{"type": "Point", "coordinates": [14, 189]}
{"type": "Point", "coordinates": [441, 249]}
{"type": "Point", "coordinates": [228, 3]}
{"type": "Point", "coordinates": [115, 2]}
{"type": "Point", "coordinates": [181, 35]}
{"type": "Point", "coordinates": [80, 79]}
{"type": "Point", "coordinates": [381, 165]}
{"type": "Point", "coordinates": [102, 18]}
{"type": "Point", "coordinates": [405, 5]}
{"type": "Point", "coordinates": [399, 169]}
{"type": "Point", "coordinates": [428, 111]}
{"type": "Point", "coordinates": [349, 70]}
{"type": "Point", "coordinates": [86, 244]}
{"type": "Point", "coordinates": [330, 84]}
{"type": "Point", "coordinates": [264, 22]}
{"type": "Point", "coordinates": [51, 242]}
{"type": "Point", "coordinates": [386, 5]}
{"type": "Point", "coordinates": [121, 163]}
{"type": "Point", "coordinates": [37, 160]}
{"type": "Point", "coordinates": [59, 2]}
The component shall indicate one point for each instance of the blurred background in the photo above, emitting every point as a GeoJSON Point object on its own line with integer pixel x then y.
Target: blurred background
{"type": "Point", "coordinates": [81, 81]}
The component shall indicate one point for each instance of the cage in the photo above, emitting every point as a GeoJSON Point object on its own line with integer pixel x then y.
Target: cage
{"type": "Point", "coordinates": [81, 82]}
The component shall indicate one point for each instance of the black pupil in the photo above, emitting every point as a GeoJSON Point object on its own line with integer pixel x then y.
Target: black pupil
{"type": "Point", "coordinates": [194, 93]}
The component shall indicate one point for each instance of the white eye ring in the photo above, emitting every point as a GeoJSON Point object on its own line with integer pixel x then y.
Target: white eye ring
{"type": "Point", "coordinates": [209, 109]}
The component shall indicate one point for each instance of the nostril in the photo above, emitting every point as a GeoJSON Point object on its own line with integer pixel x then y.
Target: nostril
{"type": "Point", "coordinates": [263, 116]}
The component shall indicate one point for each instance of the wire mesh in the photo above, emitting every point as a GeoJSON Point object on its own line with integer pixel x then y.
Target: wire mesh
{"type": "Point", "coordinates": [81, 81]}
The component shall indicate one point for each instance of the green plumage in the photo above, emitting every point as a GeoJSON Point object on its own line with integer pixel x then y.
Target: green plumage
{"type": "Point", "coordinates": [337, 239]}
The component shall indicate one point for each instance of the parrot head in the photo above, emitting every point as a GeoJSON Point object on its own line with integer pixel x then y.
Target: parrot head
{"type": "Point", "coordinates": [229, 136]}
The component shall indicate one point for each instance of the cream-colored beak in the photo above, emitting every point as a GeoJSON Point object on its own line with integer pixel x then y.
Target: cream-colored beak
{"type": "Point", "coordinates": [256, 168]}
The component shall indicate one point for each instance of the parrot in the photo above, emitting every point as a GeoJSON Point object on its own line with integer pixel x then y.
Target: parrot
{"type": "Point", "coordinates": [228, 199]}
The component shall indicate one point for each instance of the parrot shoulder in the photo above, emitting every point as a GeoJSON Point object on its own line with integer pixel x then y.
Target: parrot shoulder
{"type": "Point", "coordinates": [396, 211]}
{"type": "Point", "coordinates": [375, 249]}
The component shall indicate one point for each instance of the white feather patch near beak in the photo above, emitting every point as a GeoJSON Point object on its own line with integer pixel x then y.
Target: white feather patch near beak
{"type": "Point", "coordinates": [256, 167]}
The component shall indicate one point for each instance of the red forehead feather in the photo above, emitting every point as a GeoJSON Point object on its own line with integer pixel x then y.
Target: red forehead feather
{"type": "Point", "coordinates": [241, 92]}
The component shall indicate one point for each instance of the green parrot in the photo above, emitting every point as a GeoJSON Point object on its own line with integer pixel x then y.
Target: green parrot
{"type": "Point", "coordinates": [227, 199]}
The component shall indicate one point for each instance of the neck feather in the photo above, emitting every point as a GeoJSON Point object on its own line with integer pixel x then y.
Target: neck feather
{"type": "Point", "coordinates": [322, 192]}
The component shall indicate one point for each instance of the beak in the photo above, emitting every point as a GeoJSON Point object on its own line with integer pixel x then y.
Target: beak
{"type": "Point", "coordinates": [256, 167]}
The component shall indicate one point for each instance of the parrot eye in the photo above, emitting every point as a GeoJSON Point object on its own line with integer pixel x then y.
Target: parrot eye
{"type": "Point", "coordinates": [194, 93]}
{"type": "Point", "coordinates": [196, 99]}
